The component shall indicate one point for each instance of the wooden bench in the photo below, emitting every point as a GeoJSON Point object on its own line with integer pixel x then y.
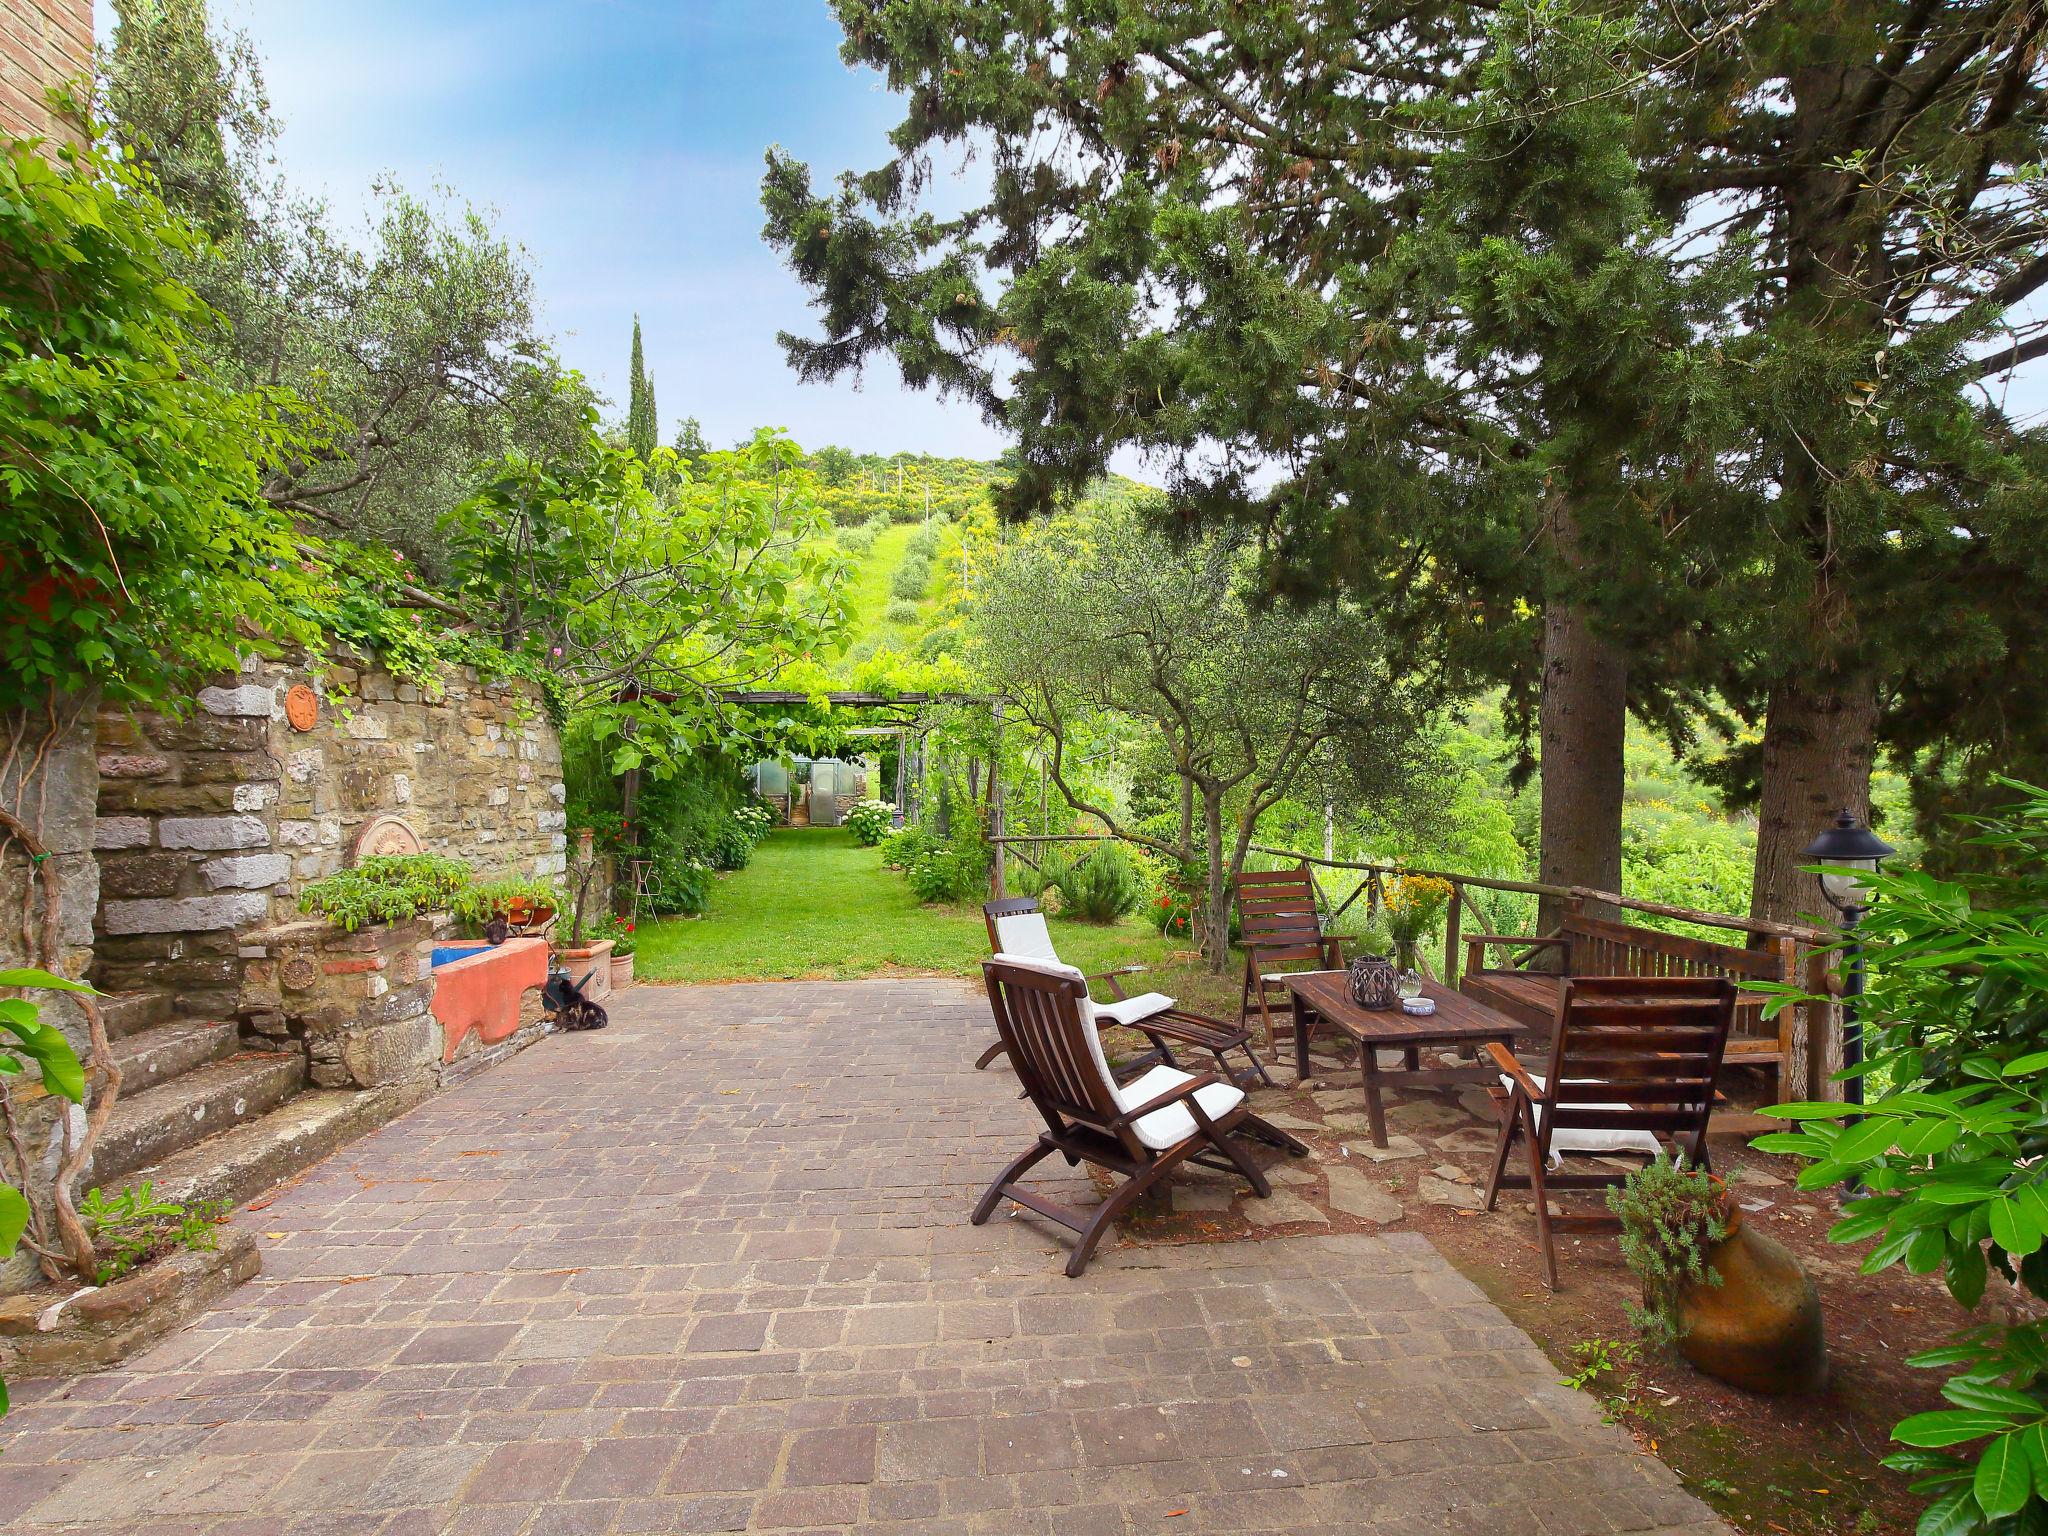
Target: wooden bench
{"type": "Point", "coordinates": [1592, 946]}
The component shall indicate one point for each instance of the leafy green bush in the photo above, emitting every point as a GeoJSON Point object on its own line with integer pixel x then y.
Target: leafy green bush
{"type": "Point", "coordinates": [947, 874]}
{"type": "Point", "coordinates": [868, 820]}
{"type": "Point", "coordinates": [755, 819]}
{"type": "Point", "coordinates": [913, 578]}
{"type": "Point", "coordinates": [132, 1226]}
{"type": "Point", "coordinates": [901, 611]}
{"type": "Point", "coordinates": [134, 533]}
{"type": "Point", "coordinates": [951, 869]}
{"type": "Point", "coordinates": [731, 846]}
{"type": "Point", "coordinates": [1951, 1152]}
{"type": "Point", "coordinates": [1671, 1215]}
{"type": "Point", "coordinates": [388, 889]}
{"type": "Point", "coordinates": [1101, 886]}
{"type": "Point", "coordinates": [678, 884]}
{"type": "Point", "coordinates": [858, 541]}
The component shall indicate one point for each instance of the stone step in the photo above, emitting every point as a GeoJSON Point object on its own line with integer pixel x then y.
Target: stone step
{"type": "Point", "coordinates": [152, 1057]}
{"type": "Point", "coordinates": [128, 1013]}
{"type": "Point", "coordinates": [169, 1117]}
{"type": "Point", "coordinates": [239, 1164]}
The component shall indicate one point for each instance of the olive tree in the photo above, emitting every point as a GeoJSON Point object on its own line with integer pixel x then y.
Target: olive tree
{"type": "Point", "coordinates": [1098, 620]}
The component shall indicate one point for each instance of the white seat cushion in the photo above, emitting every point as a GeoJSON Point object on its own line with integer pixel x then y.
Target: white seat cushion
{"type": "Point", "coordinates": [1130, 1010]}
{"type": "Point", "coordinates": [1024, 935]}
{"type": "Point", "coordinates": [1174, 1124]}
{"type": "Point", "coordinates": [1574, 1138]}
{"type": "Point", "coordinates": [1045, 965]}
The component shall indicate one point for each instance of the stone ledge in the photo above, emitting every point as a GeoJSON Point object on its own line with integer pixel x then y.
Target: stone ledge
{"type": "Point", "coordinates": [116, 1321]}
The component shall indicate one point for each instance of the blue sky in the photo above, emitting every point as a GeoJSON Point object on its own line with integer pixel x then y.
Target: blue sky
{"type": "Point", "coordinates": [620, 142]}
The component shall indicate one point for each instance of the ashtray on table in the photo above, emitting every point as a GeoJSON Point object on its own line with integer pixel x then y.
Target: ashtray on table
{"type": "Point", "coordinates": [1418, 1005]}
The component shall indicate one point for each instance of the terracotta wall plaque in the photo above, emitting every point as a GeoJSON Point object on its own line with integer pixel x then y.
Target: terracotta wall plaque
{"type": "Point", "coordinates": [302, 707]}
{"type": "Point", "coordinates": [385, 835]}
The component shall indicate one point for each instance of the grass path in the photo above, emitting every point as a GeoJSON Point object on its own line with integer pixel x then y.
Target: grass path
{"type": "Point", "coordinates": [815, 904]}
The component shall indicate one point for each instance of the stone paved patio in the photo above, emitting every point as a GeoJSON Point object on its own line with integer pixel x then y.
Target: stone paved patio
{"type": "Point", "coordinates": [710, 1270]}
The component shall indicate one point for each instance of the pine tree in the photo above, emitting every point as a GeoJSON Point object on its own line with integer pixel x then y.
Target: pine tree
{"type": "Point", "coordinates": [1722, 434]}
{"type": "Point", "coordinates": [643, 430]}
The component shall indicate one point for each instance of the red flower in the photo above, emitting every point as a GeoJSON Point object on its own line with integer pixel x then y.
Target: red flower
{"type": "Point", "coordinates": [629, 927]}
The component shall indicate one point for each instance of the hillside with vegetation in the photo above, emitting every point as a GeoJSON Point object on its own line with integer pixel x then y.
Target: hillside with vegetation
{"type": "Point", "coordinates": [915, 530]}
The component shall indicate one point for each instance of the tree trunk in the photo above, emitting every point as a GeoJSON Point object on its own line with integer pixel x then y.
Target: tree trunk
{"type": "Point", "coordinates": [1820, 736]}
{"type": "Point", "coordinates": [1187, 814]}
{"type": "Point", "coordinates": [1584, 721]}
{"type": "Point", "coordinates": [1216, 919]}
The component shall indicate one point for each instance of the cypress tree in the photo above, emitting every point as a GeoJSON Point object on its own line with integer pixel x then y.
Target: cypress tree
{"type": "Point", "coordinates": [643, 431]}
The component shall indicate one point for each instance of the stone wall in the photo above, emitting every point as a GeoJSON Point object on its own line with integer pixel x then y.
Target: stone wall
{"type": "Point", "coordinates": [43, 44]}
{"type": "Point", "coordinates": [210, 825]}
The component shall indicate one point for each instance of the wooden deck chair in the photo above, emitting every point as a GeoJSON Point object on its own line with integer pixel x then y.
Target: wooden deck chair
{"type": "Point", "coordinates": [1279, 929]}
{"type": "Point", "coordinates": [1016, 927]}
{"type": "Point", "coordinates": [1632, 1059]}
{"type": "Point", "coordinates": [1143, 1130]}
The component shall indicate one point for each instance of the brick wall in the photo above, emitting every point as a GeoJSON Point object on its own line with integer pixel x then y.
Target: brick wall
{"type": "Point", "coordinates": [43, 44]}
{"type": "Point", "coordinates": [210, 825]}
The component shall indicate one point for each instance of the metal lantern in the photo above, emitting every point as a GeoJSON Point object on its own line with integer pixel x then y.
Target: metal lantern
{"type": "Point", "coordinates": [1373, 981]}
{"type": "Point", "coordinates": [1849, 850]}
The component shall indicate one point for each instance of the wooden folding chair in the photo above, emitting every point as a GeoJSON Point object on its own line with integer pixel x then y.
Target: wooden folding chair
{"type": "Point", "coordinates": [1632, 1058]}
{"type": "Point", "coordinates": [1142, 1130]}
{"type": "Point", "coordinates": [1016, 926]}
{"type": "Point", "coordinates": [1278, 926]}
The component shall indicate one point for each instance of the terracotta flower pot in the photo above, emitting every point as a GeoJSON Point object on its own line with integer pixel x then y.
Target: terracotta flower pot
{"type": "Point", "coordinates": [593, 960]}
{"type": "Point", "coordinates": [1760, 1328]}
{"type": "Point", "coordinates": [521, 913]}
{"type": "Point", "coordinates": [622, 971]}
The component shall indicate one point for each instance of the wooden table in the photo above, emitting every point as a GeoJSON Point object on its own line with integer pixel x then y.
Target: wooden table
{"type": "Point", "coordinates": [1458, 1021]}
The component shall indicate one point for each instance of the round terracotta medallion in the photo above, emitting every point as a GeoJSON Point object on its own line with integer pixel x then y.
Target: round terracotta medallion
{"type": "Point", "coordinates": [301, 707]}
{"type": "Point", "coordinates": [386, 835]}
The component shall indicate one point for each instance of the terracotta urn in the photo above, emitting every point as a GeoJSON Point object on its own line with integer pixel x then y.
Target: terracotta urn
{"type": "Point", "coordinates": [1760, 1328]}
{"type": "Point", "coordinates": [622, 970]}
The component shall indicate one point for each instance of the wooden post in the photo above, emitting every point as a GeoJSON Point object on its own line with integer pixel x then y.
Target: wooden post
{"type": "Point", "coordinates": [995, 801]}
{"type": "Point", "coordinates": [1454, 914]}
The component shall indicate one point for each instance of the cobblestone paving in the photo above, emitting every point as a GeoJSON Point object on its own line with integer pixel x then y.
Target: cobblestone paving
{"type": "Point", "coordinates": [710, 1270]}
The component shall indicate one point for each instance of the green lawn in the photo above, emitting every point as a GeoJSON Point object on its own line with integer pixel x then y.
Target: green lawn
{"type": "Point", "coordinates": [814, 903]}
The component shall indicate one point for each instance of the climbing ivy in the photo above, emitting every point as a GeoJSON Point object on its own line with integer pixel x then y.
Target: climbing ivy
{"type": "Point", "coordinates": [134, 536]}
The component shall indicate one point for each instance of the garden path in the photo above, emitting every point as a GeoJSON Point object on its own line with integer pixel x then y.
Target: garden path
{"type": "Point", "coordinates": [711, 1270]}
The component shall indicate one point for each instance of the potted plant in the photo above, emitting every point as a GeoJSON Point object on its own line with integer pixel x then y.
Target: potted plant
{"type": "Point", "coordinates": [1729, 1299]}
{"type": "Point", "coordinates": [619, 932]}
{"type": "Point", "coordinates": [391, 888]}
{"type": "Point", "coordinates": [522, 902]}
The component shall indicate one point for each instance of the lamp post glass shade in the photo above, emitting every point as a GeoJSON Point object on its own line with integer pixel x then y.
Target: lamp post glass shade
{"type": "Point", "coordinates": [1849, 850]}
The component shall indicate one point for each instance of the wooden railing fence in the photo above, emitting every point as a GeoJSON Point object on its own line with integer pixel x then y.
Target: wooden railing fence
{"type": "Point", "coordinates": [1816, 1032]}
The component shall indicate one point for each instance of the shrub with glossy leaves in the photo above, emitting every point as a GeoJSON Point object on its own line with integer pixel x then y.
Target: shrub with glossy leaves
{"type": "Point", "coordinates": [1951, 1149]}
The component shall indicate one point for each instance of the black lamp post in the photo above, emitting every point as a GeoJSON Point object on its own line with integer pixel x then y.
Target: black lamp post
{"type": "Point", "coordinates": [1847, 851]}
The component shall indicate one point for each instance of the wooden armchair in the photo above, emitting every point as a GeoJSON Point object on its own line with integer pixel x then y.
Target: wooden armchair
{"type": "Point", "coordinates": [1143, 1130]}
{"type": "Point", "coordinates": [1016, 928]}
{"type": "Point", "coordinates": [1591, 946]}
{"type": "Point", "coordinates": [1278, 927]}
{"type": "Point", "coordinates": [1631, 1058]}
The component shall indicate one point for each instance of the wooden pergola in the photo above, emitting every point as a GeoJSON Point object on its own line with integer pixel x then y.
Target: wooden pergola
{"type": "Point", "coordinates": [856, 699]}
